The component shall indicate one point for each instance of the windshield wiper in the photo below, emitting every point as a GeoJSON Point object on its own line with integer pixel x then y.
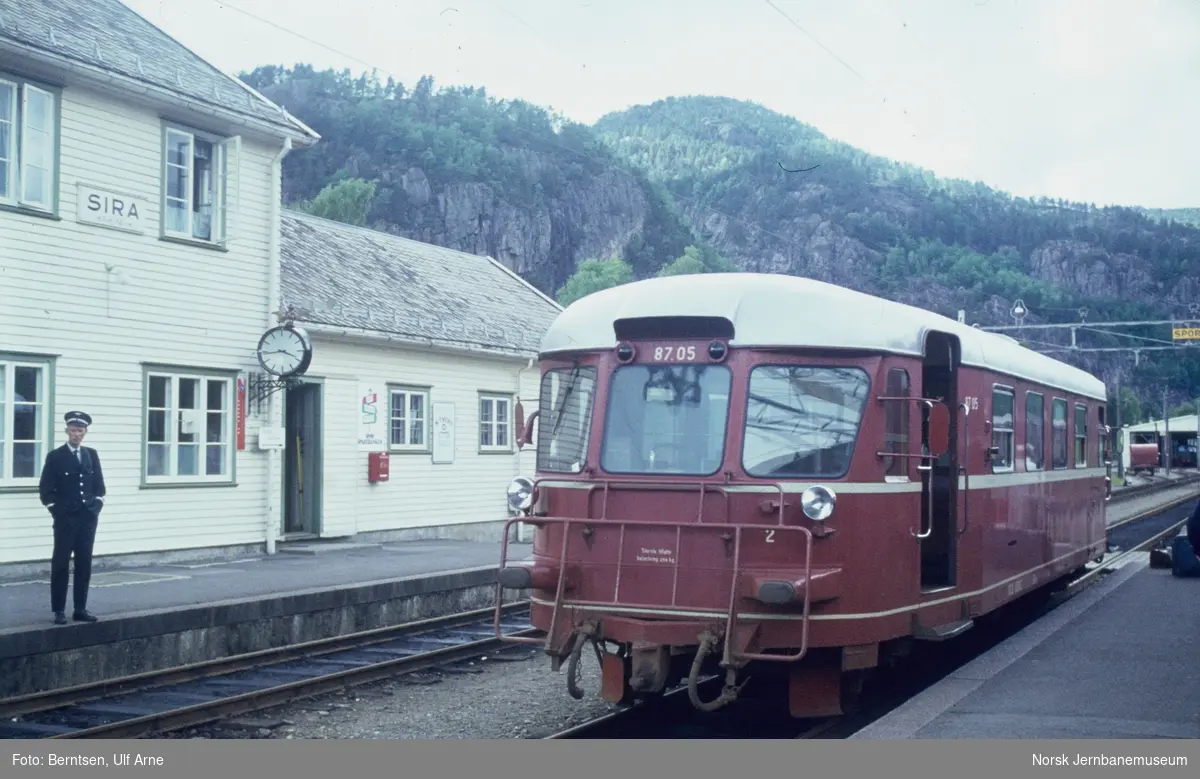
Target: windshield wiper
{"type": "Point", "coordinates": [562, 408]}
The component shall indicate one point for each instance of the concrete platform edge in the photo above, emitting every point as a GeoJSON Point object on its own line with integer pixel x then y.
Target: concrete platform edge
{"type": "Point", "coordinates": [57, 657]}
{"type": "Point", "coordinates": [906, 720]}
{"type": "Point", "coordinates": [36, 639]}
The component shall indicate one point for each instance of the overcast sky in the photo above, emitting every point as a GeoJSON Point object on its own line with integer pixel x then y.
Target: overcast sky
{"type": "Point", "coordinates": [1091, 100]}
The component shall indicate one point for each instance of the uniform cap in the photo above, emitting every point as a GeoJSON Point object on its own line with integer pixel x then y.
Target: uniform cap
{"type": "Point", "coordinates": [78, 418]}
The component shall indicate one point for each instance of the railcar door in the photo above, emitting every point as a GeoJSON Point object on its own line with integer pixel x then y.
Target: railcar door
{"type": "Point", "coordinates": [939, 478]}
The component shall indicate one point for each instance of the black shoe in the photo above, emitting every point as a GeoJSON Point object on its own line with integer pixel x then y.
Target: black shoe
{"type": "Point", "coordinates": [60, 618]}
{"type": "Point", "coordinates": [84, 616]}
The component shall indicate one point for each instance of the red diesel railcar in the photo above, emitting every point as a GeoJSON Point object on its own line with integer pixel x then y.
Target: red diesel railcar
{"type": "Point", "coordinates": [762, 470]}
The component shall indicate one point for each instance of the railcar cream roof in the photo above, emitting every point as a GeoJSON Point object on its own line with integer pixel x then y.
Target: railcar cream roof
{"type": "Point", "coordinates": [769, 309]}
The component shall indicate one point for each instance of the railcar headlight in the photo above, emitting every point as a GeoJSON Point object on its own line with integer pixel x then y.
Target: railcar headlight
{"type": "Point", "coordinates": [817, 503]}
{"type": "Point", "coordinates": [520, 494]}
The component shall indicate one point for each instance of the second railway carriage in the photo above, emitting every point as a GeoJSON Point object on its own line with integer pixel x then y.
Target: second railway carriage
{"type": "Point", "coordinates": [742, 470]}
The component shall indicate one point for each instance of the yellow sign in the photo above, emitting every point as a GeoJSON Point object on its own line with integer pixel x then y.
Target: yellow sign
{"type": "Point", "coordinates": [1186, 333]}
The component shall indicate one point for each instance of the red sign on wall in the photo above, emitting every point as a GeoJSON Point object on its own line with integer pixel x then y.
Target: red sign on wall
{"type": "Point", "coordinates": [241, 413]}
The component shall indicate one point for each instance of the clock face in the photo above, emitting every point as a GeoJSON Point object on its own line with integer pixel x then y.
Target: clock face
{"type": "Point", "coordinates": [283, 351]}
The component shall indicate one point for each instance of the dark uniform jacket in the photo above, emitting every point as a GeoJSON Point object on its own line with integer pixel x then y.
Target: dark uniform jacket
{"type": "Point", "coordinates": [69, 488]}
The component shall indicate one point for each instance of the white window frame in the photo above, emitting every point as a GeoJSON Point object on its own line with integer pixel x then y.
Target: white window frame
{"type": "Point", "coordinates": [17, 155]}
{"type": "Point", "coordinates": [45, 439]}
{"type": "Point", "coordinates": [1010, 431]}
{"type": "Point", "coordinates": [407, 393]}
{"type": "Point", "coordinates": [1080, 442]}
{"type": "Point", "coordinates": [175, 418]}
{"type": "Point", "coordinates": [486, 398]}
{"type": "Point", "coordinates": [226, 187]}
{"type": "Point", "coordinates": [1068, 455]}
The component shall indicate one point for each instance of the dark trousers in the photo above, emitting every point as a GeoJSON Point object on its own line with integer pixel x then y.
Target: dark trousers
{"type": "Point", "coordinates": [73, 534]}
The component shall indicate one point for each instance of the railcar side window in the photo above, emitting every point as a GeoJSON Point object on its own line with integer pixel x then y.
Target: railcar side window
{"type": "Point", "coordinates": [898, 412]}
{"type": "Point", "coordinates": [1035, 431]}
{"type": "Point", "coordinates": [1003, 436]}
{"type": "Point", "coordinates": [666, 419]}
{"type": "Point", "coordinates": [1058, 433]}
{"type": "Point", "coordinates": [803, 421]}
{"type": "Point", "coordinates": [564, 421]}
{"type": "Point", "coordinates": [1080, 435]}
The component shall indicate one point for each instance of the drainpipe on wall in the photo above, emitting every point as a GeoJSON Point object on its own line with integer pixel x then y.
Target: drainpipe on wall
{"type": "Point", "coordinates": [522, 528]}
{"type": "Point", "coordinates": [274, 405]}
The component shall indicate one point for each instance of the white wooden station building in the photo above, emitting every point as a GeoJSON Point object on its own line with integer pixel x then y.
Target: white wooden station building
{"type": "Point", "coordinates": [419, 353]}
{"type": "Point", "coordinates": [140, 264]}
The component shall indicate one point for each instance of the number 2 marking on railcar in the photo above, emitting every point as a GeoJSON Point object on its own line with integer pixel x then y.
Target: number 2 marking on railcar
{"type": "Point", "coordinates": [770, 536]}
{"type": "Point", "coordinates": [675, 353]}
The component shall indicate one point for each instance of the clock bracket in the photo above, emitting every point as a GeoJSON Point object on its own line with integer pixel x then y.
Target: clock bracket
{"type": "Point", "coordinates": [262, 386]}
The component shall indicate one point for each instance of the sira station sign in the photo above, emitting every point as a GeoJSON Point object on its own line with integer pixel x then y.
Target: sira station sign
{"type": "Point", "coordinates": [105, 208]}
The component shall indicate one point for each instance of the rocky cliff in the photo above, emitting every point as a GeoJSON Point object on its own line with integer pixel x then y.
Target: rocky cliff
{"type": "Point", "coordinates": [458, 169]}
{"type": "Point", "coordinates": [507, 179]}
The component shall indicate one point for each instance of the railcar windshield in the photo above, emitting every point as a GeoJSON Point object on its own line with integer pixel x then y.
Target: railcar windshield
{"type": "Point", "coordinates": [565, 419]}
{"type": "Point", "coordinates": [666, 419]}
{"type": "Point", "coordinates": [803, 421]}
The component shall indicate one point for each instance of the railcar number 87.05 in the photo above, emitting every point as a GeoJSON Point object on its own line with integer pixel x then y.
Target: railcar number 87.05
{"type": "Point", "coordinates": [674, 353]}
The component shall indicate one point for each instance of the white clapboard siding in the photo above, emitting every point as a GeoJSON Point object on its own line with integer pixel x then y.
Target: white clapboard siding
{"type": "Point", "coordinates": [163, 303]}
{"type": "Point", "coordinates": [419, 493]}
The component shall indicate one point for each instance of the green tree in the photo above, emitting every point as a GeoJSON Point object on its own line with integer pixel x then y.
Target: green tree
{"type": "Point", "coordinates": [1132, 410]}
{"type": "Point", "coordinates": [683, 266]}
{"type": "Point", "coordinates": [348, 200]}
{"type": "Point", "coordinates": [593, 276]}
{"type": "Point", "coordinates": [697, 259]}
{"type": "Point", "coordinates": [1184, 409]}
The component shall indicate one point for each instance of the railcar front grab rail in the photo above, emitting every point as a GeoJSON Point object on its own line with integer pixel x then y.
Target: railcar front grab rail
{"type": "Point", "coordinates": [730, 655]}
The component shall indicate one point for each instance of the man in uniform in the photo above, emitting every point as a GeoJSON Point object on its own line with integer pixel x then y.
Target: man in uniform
{"type": "Point", "coordinates": [72, 488]}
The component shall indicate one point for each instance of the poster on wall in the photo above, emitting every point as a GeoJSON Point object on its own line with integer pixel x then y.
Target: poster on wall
{"type": "Point", "coordinates": [443, 433]}
{"type": "Point", "coordinates": [372, 417]}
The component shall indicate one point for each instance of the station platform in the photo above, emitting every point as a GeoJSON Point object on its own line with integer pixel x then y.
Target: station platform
{"type": "Point", "coordinates": [1116, 661]}
{"type": "Point", "coordinates": [167, 615]}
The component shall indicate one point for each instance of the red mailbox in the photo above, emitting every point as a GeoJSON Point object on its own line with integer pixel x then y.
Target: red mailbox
{"type": "Point", "coordinates": [377, 466]}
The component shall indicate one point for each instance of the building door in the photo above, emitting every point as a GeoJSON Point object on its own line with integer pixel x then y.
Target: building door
{"type": "Point", "coordinates": [939, 484]}
{"type": "Point", "coordinates": [302, 461]}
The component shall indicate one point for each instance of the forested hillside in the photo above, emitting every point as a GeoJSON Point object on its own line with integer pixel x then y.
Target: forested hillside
{"type": "Point", "coordinates": [704, 183]}
{"type": "Point", "coordinates": [459, 169]}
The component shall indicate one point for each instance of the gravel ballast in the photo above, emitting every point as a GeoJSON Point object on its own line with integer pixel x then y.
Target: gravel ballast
{"type": "Point", "coordinates": [484, 699]}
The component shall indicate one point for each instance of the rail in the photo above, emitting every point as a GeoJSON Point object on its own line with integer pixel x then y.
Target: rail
{"type": "Point", "coordinates": [148, 703]}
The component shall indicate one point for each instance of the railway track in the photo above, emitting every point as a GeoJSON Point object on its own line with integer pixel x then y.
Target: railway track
{"type": "Point", "coordinates": [169, 700]}
{"type": "Point", "coordinates": [672, 711]}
